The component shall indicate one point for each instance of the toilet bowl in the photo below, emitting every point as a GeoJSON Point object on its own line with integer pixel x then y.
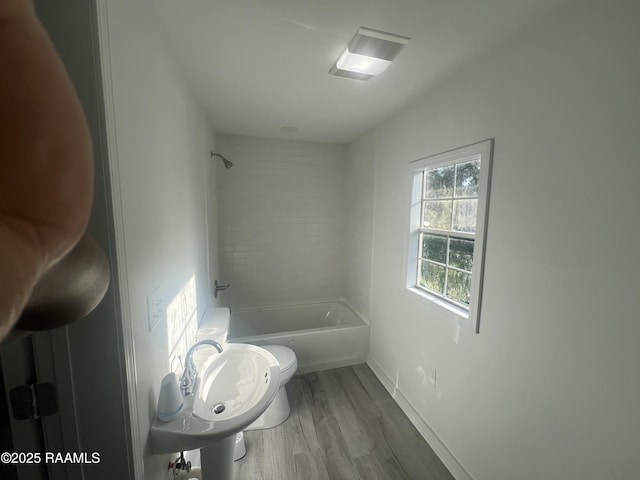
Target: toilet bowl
{"type": "Point", "coordinates": [279, 409]}
{"type": "Point", "coordinates": [215, 326]}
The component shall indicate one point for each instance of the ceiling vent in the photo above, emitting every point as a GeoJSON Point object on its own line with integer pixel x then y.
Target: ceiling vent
{"type": "Point", "coordinates": [369, 53]}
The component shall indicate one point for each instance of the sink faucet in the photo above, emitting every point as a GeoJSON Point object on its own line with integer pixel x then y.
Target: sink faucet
{"type": "Point", "coordinates": [188, 379]}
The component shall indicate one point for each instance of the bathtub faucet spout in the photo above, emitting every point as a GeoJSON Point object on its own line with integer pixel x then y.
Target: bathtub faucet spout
{"type": "Point", "coordinates": [218, 288]}
{"type": "Point", "coordinates": [190, 374]}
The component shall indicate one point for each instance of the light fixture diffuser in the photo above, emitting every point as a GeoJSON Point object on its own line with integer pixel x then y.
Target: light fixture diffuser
{"type": "Point", "coordinates": [354, 62]}
{"type": "Point", "coordinates": [369, 53]}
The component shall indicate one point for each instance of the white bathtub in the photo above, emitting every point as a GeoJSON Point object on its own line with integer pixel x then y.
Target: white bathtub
{"type": "Point", "coordinates": [323, 335]}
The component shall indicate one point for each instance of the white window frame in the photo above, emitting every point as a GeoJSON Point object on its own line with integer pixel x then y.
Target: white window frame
{"type": "Point", "coordinates": [468, 318]}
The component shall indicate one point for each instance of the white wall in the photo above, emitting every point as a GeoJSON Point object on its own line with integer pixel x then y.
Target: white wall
{"type": "Point", "coordinates": [359, 210]}
{"type": "Point", "coordinates": [549, 388]}
{"type": "Point", "coordinates": [162, 148]}
{"type": "Point", "coordinates": [281, 220]}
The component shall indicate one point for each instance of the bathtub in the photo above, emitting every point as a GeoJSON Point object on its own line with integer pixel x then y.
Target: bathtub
{"type": "Point", "coordinates": [323, 335]}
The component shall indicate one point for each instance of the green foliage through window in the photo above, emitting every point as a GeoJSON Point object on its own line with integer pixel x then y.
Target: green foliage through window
{"type": "Point", "coordinates": [447, 229]}
{"type": "Point", "coordinates": [449, 212]}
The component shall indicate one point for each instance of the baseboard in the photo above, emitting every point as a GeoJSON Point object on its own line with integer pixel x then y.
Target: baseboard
{"type": "Point", "coordinates": [438, 446]}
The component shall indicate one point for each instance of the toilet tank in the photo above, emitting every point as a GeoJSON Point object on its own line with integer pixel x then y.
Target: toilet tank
{"type": "Point", "coordinates": [214, 325]}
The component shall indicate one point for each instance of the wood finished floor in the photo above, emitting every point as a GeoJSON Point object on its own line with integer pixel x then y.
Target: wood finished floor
{"type": "Point", "coordinates": [343, 425]}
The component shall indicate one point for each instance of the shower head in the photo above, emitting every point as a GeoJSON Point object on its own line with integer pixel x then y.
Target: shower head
{"type": "Point", "coordinates": [227, 163]}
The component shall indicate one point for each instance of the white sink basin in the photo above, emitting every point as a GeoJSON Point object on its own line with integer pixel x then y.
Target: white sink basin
{"type": "Point", "coordinates": [238, 384]}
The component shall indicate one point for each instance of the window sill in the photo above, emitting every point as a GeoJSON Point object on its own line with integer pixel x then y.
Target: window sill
{"type": "Point", "coordinates": [451, 310]}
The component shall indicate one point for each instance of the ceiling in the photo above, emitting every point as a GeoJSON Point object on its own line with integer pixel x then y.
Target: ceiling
{"type": "Point", "coordinates": [257, 66]}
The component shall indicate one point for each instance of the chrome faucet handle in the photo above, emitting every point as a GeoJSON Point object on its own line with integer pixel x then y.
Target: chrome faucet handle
{"type": "Point", "coordinates": [186, 381]}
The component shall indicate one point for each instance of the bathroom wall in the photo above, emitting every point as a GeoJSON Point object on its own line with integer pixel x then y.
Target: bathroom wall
{"type": "Point", "coordinates": [281, 220]}
{"type": "Point", "coordinates": [359, 210]}
{"type": "Point", "coordinates": [549, 388]}
{"type": "Point", "coordinates": [161, 150]}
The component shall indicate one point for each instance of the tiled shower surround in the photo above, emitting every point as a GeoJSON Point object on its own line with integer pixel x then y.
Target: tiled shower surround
{"type": "Point", "coordinates": [282, 220]}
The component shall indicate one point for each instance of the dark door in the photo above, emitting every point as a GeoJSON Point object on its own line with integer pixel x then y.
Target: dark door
{"type": "Point", "coordinates": [22, 439]}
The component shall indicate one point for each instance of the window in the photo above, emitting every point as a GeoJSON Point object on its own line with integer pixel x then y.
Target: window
{"type": "Point", "coordinates": [448, 217]}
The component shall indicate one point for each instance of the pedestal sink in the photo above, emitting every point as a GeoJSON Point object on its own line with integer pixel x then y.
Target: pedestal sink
{"type": "Point", "coordinates": [233, 389]}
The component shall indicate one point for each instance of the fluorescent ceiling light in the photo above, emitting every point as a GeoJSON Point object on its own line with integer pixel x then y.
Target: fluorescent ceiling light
{"type": "Point", "coordinates": [369, 53]}
{"type": "Point", "coordinates": [354, 62]}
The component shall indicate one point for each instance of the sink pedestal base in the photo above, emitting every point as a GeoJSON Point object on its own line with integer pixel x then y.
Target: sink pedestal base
{"type": "Point", "coordinates": [217, 459]}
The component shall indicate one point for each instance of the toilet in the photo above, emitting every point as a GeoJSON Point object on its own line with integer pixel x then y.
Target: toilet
{"type": "Point", "coordinates": [279, 409]}
{"type": "Point", "coordinates": [215, 326]}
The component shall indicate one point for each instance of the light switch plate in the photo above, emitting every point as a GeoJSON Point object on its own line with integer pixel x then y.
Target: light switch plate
{"type": "Point", "coordinates": [156, 308]}
{"type": "Point", "coordinates": [430, 374]}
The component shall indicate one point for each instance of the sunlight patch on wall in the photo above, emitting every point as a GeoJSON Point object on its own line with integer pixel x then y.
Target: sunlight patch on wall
{"type": "Point", "coordinates": [182, 323]}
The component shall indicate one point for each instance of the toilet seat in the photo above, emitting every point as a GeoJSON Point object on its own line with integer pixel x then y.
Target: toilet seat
{"type": "Point", "coordinates": [284, 355]}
